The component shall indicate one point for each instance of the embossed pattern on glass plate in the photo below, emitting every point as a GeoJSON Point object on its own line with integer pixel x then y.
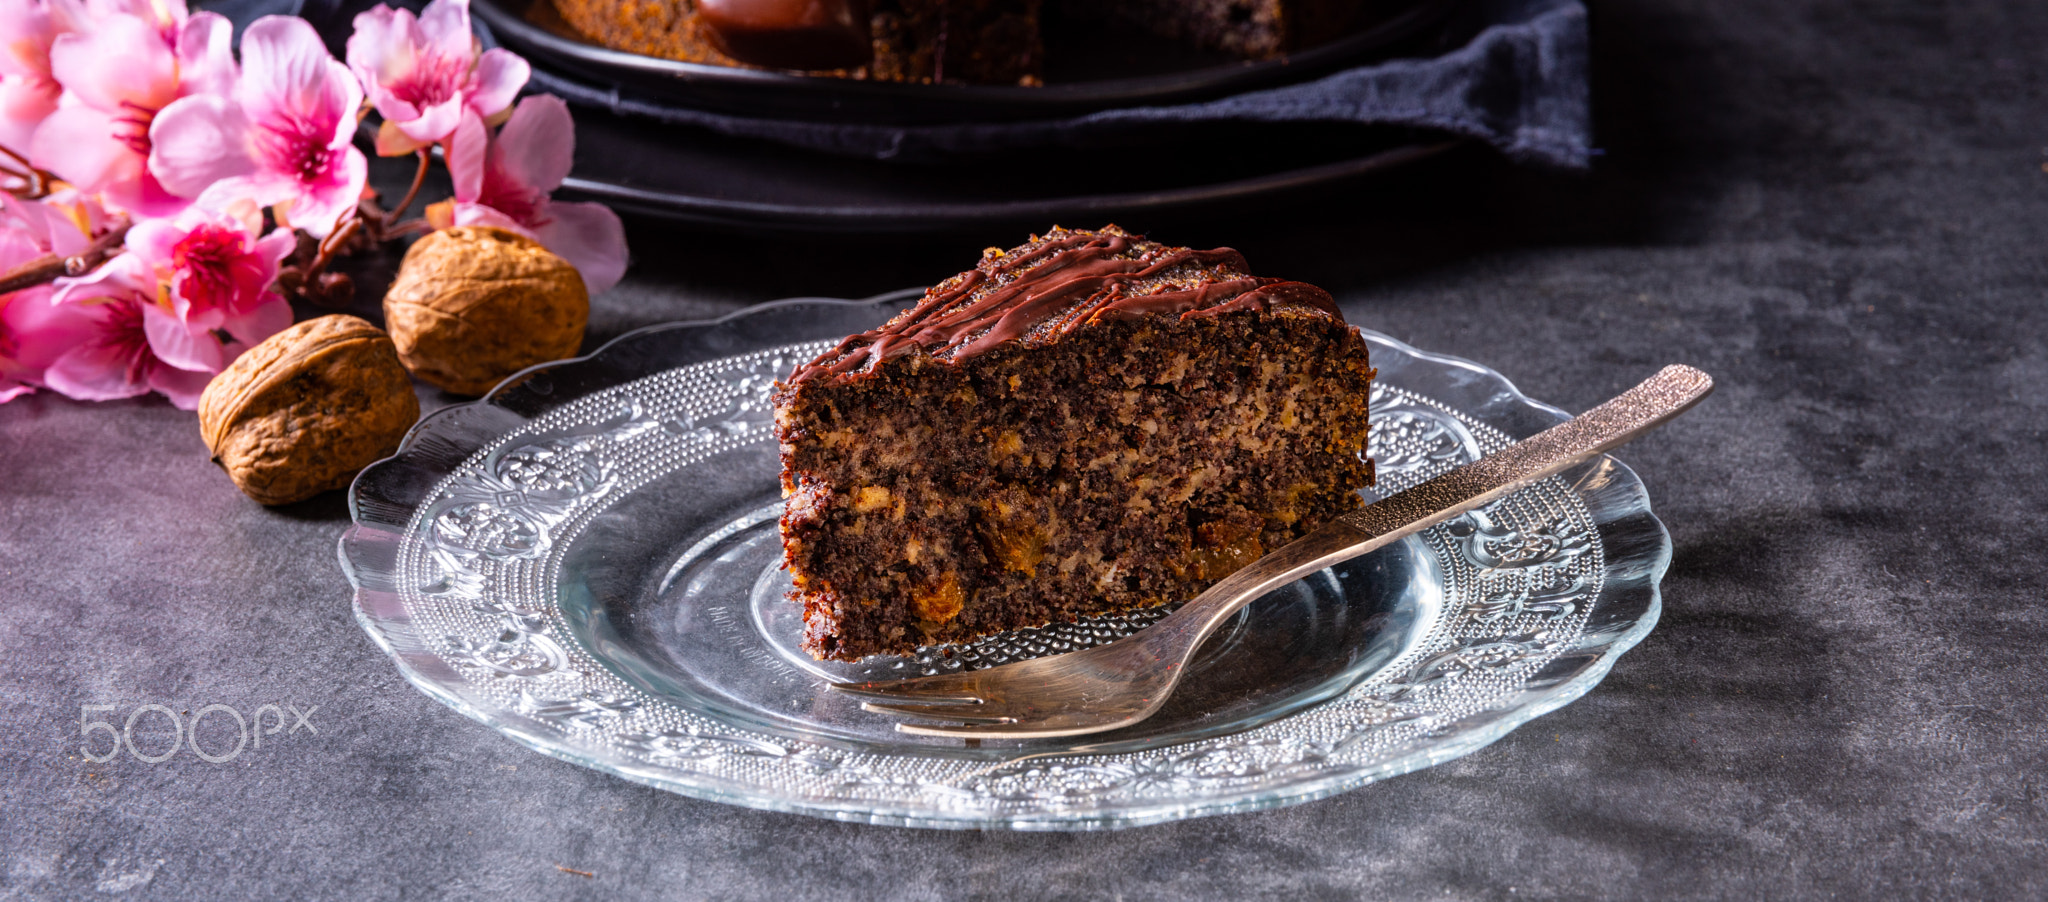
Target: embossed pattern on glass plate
{"type": "Point", "coordinates": [485, 555]}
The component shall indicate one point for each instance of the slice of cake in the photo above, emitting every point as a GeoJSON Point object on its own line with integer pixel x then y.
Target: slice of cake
{"type": "Point", "coordinates": [1088, 423]}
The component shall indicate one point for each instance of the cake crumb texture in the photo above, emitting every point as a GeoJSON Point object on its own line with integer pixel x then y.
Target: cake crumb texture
{"type": "Point", "coordinates": [954, 487]}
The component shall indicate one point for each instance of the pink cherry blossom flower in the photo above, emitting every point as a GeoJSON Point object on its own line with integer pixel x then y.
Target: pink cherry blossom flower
{"type": "Point", "coordinates": [504, 181]}
{"type": "Point", "coordinates": [33, 334]}
{"type": "Point", "coordinates": [422, 74]}
{"type": "Point", "coordinates": [132, 347]}
{"type": "Point", "coordinates": [207, 268]}
{"type": "Point", "coordinates": [63, 223]}
{"type": "Point", "coordinates": [127, 336]}
{"type": "Point", "coordinates": [116, 78]}
{"type": "Point", "coordinates": [281, 138]}
{"type": "Point", "coordinates": [46, 343]}
{"type": "Point", "coordinates": [28, 91]}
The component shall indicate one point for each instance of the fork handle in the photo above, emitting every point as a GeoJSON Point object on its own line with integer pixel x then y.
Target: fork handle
{"type": "Point", "coordinates": [1620, 420]}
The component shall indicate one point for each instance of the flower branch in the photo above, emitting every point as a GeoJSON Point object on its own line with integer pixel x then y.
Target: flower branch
{"type": "Point", "coordinates": [35, 182]}
{"type": "Point", "coordinates": [419, 177]}
{"type": "Point", "coordinates": [50, 267]}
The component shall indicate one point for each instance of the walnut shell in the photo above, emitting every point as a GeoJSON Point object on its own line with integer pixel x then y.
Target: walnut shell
{"type": "Point", "coordinates": [474, 305]}
{"type": "Point", "coordinates": [303, 411]}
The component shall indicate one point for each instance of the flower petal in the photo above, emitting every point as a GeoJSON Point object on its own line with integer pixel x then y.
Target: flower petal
{"type": "Point", "coordinates": [24, 104]}
{"type": "Point", "coordinates": [61, 224]}
{"type": "Point", "coordinates": [70, 15]}
{"type": "Point", "coordinates": [468, 152]}
{"type": "Point", "coordinates": [276, 246]}
{"type": "Point", "coordinates": [591, 238]}
{"type": "Point", "coordinates": [152, 240]}
{"type": "Point", "coordinates": [17, 246]}
{"type": "Point", "coordinates": [198, 141]}
{"type": "Point", "coordinates": [288, 79]}
{"type": "Point", "coordinates": [143, 195]}
{"type": "Point", "coordinates": [96, 372]}
{"type": "Point", "coordinates": [78, 144]}
{"type": "Point", "coordinates": [112, 363]}
{"type": "Point", "coordinates": [47, 225]}
{"type": "Point", "coordinates": [266, 319]}
{"type": "Point", "coordinates": [320, 205]}
{"type": "Point", "coordinates": [260, 188]}
{"type": "Point", "coordinates": [165, 14]}
{"type": "Point", "coordinates": [182, 346]}
{"type": "Point", "coordinates": [434, 122]}
{"type": "Point", "coordinates": [392, 142]}
{"type": "Point", "coordinates": [41, 331]}
{"type": "Point", "coordinates": [74, 217]}
{"type": "Point", "coordinates": [183, 387]}
{"type": "Point", "coordinates": [206, 56]}
{"type": "Point", "coordinates": [384, 53]}
{"type": "Point", "coordinates": [25, 35]}
{"type": "Point", "coordinates": [537, 146]}
{"type": "Point", "coordinates": [123, 61]}
{"type": "Point", "coordinates": [500, 74]}
{"type": "Point", "coordinates": [380, 46]}
{"type": "Point", "coordinates": [481, 215]}
{"type": "Point", "coordinates": [444, 26]}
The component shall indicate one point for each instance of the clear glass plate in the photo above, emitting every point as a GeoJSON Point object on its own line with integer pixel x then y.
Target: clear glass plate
{"type": "Point", "coordinates": [587, 561]}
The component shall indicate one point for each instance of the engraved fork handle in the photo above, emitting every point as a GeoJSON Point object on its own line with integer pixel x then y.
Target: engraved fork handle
{"type": "Point", "coordinates": [1657, 399]}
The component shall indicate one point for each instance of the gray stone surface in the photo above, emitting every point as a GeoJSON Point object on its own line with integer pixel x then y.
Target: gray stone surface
{"type": "Point", "coordinates": [1837, 207]}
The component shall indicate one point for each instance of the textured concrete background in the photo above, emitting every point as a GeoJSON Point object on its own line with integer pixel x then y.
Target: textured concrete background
{"type": "Point", "coordinates": [1838, 207]}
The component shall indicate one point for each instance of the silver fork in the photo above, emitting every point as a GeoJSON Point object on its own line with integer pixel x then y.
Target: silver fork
{"type": "Point", "coordinates": [1123, 682]}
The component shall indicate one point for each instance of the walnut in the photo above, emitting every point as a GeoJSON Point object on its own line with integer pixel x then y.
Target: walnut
{"type": "Point", "coordinates": [474, 305]}
{"type": "Point", "coordinates": [301, 412]}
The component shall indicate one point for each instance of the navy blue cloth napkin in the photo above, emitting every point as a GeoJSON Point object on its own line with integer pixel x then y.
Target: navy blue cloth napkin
{"type": "Point", "coordinates": [1520, 84]}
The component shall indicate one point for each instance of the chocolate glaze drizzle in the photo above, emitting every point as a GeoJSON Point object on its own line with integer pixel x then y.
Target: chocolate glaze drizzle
{"type": "Point", "coordinates": [1066, 281]}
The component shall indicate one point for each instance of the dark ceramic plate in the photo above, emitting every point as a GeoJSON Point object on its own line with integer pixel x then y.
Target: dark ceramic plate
{"type": "Point", "coordinates": [695, 176]}
{"type": "Point", "coordinates": [1087, 69]}
{"type": "Point", "coordinates": [690, 175]}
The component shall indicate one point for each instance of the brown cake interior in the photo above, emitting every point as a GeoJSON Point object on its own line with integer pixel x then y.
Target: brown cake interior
{"type": "Point", "coordinates": [951, 479]}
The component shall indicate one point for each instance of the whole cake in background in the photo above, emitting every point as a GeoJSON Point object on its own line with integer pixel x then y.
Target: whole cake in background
{"type": "Point", "coordinates": [993, 42]}
{"type": "Point", "coordinates": [1249, 29]}
{"type": "Point", "coordinates": [1087, 423]}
